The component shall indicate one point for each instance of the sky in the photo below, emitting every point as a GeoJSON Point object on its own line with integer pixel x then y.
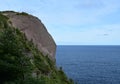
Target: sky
{"type": "Point", "coordinates": [74, 22]}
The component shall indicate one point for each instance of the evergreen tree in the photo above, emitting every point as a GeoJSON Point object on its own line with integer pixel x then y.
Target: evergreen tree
{"type": "Point", "coordinates": [13, 62]}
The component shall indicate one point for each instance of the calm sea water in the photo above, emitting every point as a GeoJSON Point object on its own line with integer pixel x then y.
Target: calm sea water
{"type": "Point", "coordinates": [90, 64]}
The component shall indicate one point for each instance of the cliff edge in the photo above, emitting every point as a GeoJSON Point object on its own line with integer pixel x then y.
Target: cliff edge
{"type": "Point", "coordinates": [34, 30]}
{"type": "Point", "coordinates": [21, 61]}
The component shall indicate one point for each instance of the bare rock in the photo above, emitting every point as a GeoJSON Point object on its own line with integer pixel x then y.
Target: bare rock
{"type": "Point", "coordinates": [34, 30]}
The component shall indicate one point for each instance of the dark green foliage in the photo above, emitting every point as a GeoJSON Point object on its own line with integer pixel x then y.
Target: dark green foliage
{"type": "Point", "coordinates": [23, 13]}
{"type": "Point", "coordinates": [41, 64]}
{"type": "Point", "coordinates": [13, 63]}
{"type": "Point", "coordinates": [19, 58]}
{"type": "Point", "coordinates": [8, 11]}
{"type": "Point", "coordinates": [3, 21]}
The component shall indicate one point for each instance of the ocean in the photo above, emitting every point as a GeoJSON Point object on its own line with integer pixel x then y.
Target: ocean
{"type": "Point", "coordinates": [90, 64]}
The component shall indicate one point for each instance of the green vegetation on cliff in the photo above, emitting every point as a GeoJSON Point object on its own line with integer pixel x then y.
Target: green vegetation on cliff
{"type": "Point", "coordinates": [21, 62]}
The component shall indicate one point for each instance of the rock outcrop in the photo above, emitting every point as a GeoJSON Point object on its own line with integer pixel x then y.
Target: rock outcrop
{"type": "Point", "coordinates": [34, 30]}
{"type": "Point", "coordinates": [21, 61]}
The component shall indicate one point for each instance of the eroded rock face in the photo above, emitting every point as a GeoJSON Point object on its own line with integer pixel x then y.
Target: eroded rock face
{"type": "Point", "coordinates": [35, 31]}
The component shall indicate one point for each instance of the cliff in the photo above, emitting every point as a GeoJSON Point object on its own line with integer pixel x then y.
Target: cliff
{"type": "Point", "coordinates": [21, 61]}
{"type": "Point", "coordinates": [34, 30]}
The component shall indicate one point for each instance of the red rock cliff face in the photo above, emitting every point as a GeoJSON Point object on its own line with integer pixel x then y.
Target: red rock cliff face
{"type": "Point", "coordinates": [35, 30]}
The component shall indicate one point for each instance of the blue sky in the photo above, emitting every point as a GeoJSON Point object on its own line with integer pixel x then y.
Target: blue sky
{"type": "Point", "coordinates": [74, 22]}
